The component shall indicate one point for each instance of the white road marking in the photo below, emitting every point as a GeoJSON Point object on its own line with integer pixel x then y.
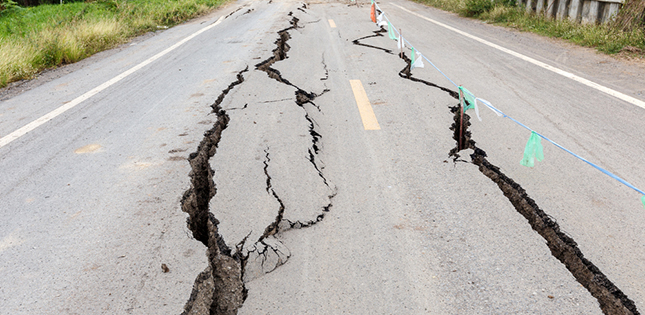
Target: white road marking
{"type": "Point", "coordinates": [51, 115]}
{"type": "Point", "coordinates": [561, 72]}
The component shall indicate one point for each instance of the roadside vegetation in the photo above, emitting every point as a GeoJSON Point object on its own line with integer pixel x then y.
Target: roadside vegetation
{"type": "Point", "coordinates": [34, 38]}
{"type": "Point", "coordinates": [625, 33]}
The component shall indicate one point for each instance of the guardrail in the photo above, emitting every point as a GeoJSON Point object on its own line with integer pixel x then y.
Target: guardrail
{"type": "Point", "coordinates": [584, 11]}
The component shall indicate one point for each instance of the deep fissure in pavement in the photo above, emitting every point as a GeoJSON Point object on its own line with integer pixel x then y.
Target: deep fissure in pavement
{"type": "Point", "coordinates": [218, 289]}
{"type": "Point", "coordinates": [378, 33]}
{"type": "Point", "coordinates": [611, 299]}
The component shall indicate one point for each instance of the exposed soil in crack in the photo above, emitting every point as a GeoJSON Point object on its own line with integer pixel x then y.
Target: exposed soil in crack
{"type": "Point", "coordinates": [279, 54]}
{"type": "Point", "coordinates": [611, 299]}
{"type": "Point", "coordinates": [218, 289]}
{"type": "Point", "coordinates": [220, 98]}
{"type": "Point", "coordinates": [234, 11]}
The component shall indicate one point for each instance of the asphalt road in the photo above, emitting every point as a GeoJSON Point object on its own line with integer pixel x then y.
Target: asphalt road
{"type": "Point", "coordinates": [342, 211]}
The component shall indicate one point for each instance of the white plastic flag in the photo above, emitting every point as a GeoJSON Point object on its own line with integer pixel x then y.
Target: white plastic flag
{"type": "Point", "coordinates": [400, 44]}
{"type": "Point", "coordinates": [417, 59]}
{"type": "Point", "coordinates": [379, 21]}
{"type": "Point", "coordinates": [489, 105]}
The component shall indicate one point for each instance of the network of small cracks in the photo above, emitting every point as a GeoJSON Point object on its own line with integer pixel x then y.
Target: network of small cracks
{"type": "Point", "coordinates": [611, 299]}
{"type": "Point", "coordinates": [302, 97]}
{"type": "Point", "coordinates": [226, 269]}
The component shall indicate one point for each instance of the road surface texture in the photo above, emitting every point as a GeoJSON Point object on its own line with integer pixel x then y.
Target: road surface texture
{"type": "Point", "coordinates": [279, 157]}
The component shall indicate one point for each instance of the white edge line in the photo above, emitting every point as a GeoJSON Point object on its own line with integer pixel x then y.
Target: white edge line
{"type": "Point", "coordinates": [51, 115]}
{"type": "Point", "coordinates": [561, 72]}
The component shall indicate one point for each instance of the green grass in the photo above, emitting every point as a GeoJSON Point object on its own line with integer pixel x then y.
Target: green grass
{"type": "Point", "coordinates": [457, 6]}
{"type": "Point", "coordinates": [36, 38]}
{"type": "Point", "coordinates": [602, 37]}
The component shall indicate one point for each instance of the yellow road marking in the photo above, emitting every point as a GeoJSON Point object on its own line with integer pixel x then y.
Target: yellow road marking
{"type": "Point", "coordinates": [88, 149]}
{"type": "Point", "coordinates": [331, 23]}
{"type": "Point", "coordinates": [364, 106]}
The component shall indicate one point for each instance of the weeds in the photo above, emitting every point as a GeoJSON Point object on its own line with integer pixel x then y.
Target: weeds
{"type": "Point", "coordinates": [477, 7]}
{"type": "Point", "coordinates": [607, 38]}
{"type": "Point", "coordinates": [602, 37]}
{"type": "Point", "coordinates": [36, 38]}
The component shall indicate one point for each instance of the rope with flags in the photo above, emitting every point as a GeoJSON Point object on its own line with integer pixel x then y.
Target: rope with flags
{"type": "Point", "coordinates": [533, 150]}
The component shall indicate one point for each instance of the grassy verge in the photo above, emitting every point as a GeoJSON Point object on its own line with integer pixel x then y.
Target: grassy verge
{"type": "Point", "coordinates": [36, 38]}
{"type": "Point", "coordinates": [602, 37]}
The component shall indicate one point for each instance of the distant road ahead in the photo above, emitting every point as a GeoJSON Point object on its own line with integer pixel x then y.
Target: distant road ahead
{"type": "Point", "coordinates": [332, 166]}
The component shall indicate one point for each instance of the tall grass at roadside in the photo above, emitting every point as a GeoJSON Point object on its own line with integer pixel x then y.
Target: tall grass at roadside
{"type": "Point", "coordinates": [502, 12]}
{"type": "Point", "coordinates": [602, 37]}
{"type": "Point", "coordinates": [37, 38]}
{"type": "Point", "coordinates": [456, 6]}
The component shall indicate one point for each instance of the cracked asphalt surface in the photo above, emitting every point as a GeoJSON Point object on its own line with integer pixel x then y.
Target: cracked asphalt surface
{"type": "Point", "coordinates": [234, 175]}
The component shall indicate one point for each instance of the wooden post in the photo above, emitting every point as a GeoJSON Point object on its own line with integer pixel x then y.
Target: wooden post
{"type": "Point", "coordinates": [401, 40]}
{"type": "Point", "coordinates": [461, 121]}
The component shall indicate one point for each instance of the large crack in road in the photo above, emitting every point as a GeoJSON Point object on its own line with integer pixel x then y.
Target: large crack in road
{"type": "Point", "coordinates": [611, 299]}
{"type": "Point", "coordinates": [220, 288]}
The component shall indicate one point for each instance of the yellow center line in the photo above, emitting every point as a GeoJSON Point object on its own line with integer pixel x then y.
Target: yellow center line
{"type": "Point", "coordinates": [331, 23]}
{"type": "Point", "coordinates": [364, 106]}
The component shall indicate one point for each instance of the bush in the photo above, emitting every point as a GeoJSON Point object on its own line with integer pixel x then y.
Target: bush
{"type": "Point", "coordinates": [32, 3]}
{"type": "Point", "coordinates": [8, 6]}
{"type": "Point", "coordinates": [506, 3]}
{"type": "Point", "coordinates": [477, 7]}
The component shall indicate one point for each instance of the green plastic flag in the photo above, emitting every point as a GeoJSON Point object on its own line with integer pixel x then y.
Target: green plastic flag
{"type": "Point", "coordinates": [533, 150]}
{"type": "Point", "coordinates": [643, 200]}
{"type": "Point", "coordinates": [390, 31]}
{"type": "Point", "coordinates": [413, 56]}
{"type": "Point", "coordinates": [467, 96]}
